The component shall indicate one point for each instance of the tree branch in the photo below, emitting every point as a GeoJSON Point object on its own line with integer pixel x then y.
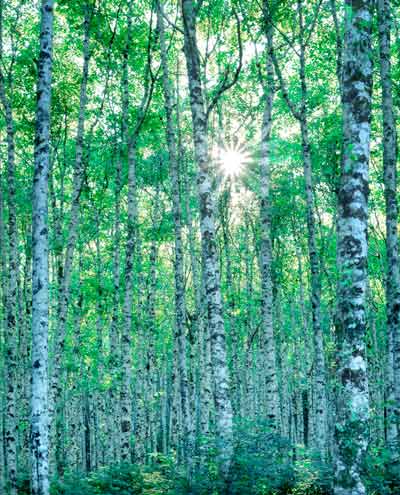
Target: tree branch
{"type": "Point", "coordinates": [226, 84]}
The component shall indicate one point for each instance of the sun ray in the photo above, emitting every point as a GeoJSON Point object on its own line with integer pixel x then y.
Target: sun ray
{"type": "Point", "coordinates": [232, 161]}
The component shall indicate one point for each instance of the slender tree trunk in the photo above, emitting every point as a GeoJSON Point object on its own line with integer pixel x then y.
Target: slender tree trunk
{"type": "Point", "coordinates": [98, 409]}
{"type": "Point", "coordinates": [75, 425]}
{"type": "Point", "coordinates": [24, 353]}
{"type": "Point", "coordinates": [180, 302]}
{"type": "Point", "coordinates": [3, 323]}
{"type": "Point", "coordinates": [40, 262]}
{"type": "Point", "coordinates": [201, 331]}
{"type": "Point", "coordinates": [86, 432]}
{"type": "Point", "coordinates": [65, 279]}
{"type": "Point", "coordinates": [392, 213]}
{"type": "Point", "coordinates": [126, 339]}
{"type": "Point", "coordinates": [249, 409]}
{"type": "Point", "coordinates": [353, 406]}
{"type": "Point", "coordinates": [11, 427]}
{"type": "Point", "coordinates": [164, 409]}
{"type": "Point", "coordinates": [268, 344]}
{"type": "Point", "coordinates": [225, 206]}
{"type": "Point", "coordinates": [319, 375]}
{"type": "Point", "coordinates": [113, 450]}
{"type": "Point", "coordinates": [223, 407]}
{"type": "Point", "coordinates": [150, 339]}
{"type": "Point", "coordinates": [132, 244]}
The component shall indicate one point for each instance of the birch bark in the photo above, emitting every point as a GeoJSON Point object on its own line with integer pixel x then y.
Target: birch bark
{"type": "Point", "coordinates": [392, 213]}
{"type": "Point", "coordinates": [40, 261]}
{"type": "Point", "coordinates": [113, 450]}
{"type": "Point", "coordinates": [353, 405]}
{"type": "Point", "coordinates": [130, 137]}
{"type": "Point", "coordinates": [11, 427]}
{"type": "Point", "coordinates": [3, 323]}
{"type": "Point", "coordinates": [223, 407]}
{"type": "Point", "coordinates": [65, 277]}
{"type": "Point", "coordinates": [271, 383]}
{"type": "Point", "coordinates": [301, 115]}
{"type": "Point", "coordinates": [180, 301]}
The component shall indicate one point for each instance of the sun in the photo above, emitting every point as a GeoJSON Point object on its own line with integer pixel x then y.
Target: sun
{"type": "Point", "coordinates": [232, 161]}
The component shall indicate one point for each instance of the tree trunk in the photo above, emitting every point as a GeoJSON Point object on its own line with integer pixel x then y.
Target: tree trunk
{"type": "Point", "coordinates": [268, 339]}
{"type": "Point", "coordinates": [180, 302]}
{"type": "Point", "coordinates": [11, 427]}
{"type": "Point", "coordinates": [223, 407]}
{"type": "Point", "coordinates": [392, 212]}
{"type": "Point", "coordinates": [24, 353]}
{"type": "Point", "coordinates": [319, 375]}
{"type": "Point", "coordinates": [225, 206]}
{"type": "Point", "coordinates": [3, 323]}
{"type": "Point", "coordinates": [353, 405]}
{"type": "Point", "coordinates": [65, 279]}
{"type": "Point", "coordinates": [201, 331]}
{"type": "Point", "coordinates": [113, 450]}
{"type": "Point", "coordinates": [40, 262]}
{"type": "Point", "coordinates": [126, 339]}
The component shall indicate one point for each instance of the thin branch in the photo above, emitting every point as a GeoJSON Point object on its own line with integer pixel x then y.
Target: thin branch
{"type": "Point", "coordinates": [339, 44]}
{"type": "Point", "coordinates": [149, 83]}
{"type": "Point", "coordinates": [314, 22]}
{"type": "Point", "coordinates": [226, 84]}
{"type": "Point", "coordinates": [283, 87]}
{"type": "Point", "coordinates": [171, 23]}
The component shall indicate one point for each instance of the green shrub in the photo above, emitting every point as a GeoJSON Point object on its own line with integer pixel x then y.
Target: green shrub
{"type": "Point", "coordinates": [23, 483]}
{"type": "Point", "coordinates": [263, 464]}
{"type": "Point", "coordinates": [381, 474]}
{"type": "Point", "coordinates": [71, 485]}
{"type": "Point", "coordinates": [312, 477]}
{"type": "Point", "coordinates": [119, 479]}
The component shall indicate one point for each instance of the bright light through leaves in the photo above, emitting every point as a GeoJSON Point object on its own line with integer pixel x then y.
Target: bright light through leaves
{"type": "Point", "coordinates": [232, 161]}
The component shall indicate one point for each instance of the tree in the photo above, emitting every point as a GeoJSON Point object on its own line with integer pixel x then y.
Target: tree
{"type": "Point", "coordinates": [207, 331]}
{"type": "Point", "coordinates": [40, 275]}
{"type": "Point", "coordinates": [11, 427]}
{"type": "Point", "coordinates": [180, 303]}
{"type": "Point", "coordinates": [353, 407]}
{"type": "Point", "coordinates": [272, 397]}
{"type": "Point", "coordinates": [223, 404]}
{"type": "Point", "coordinates": [300, 113]}
{"type": "Point", "coordinates": [392, 240]}
{"type": "Point", "coordinates": [66, 269]}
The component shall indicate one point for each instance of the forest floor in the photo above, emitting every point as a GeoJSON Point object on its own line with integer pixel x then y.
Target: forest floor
{"type": "Point", "coordinates": [250, 475]}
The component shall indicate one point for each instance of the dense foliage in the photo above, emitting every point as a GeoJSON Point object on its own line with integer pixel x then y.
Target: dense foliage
{"type": "Point", "coordinates": [215, 323]}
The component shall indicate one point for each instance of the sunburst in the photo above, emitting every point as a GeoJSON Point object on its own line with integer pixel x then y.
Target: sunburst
{"type": "Point", "coordinates": [232, 160]}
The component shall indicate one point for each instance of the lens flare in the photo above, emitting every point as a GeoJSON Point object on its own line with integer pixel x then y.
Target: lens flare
{"type": "Point", "coordinates": [232, 161]}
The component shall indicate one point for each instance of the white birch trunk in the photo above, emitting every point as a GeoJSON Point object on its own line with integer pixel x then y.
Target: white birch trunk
{"type": "Point", "coordinates": [180, 301]}
{"type": "Point", "coordinates": [392, 213]}
{"type": "Point", "coordinates": [65, 278]}
{"type": "Point", "coordinates": [223, 407]}
{"type": "Point", "coordinates": [270, 386]}
{"type": "Point", "coordinates": [11, 427]}
{"type": "Point", "coordinates": [40, 262]}
{"type": "Point", "coordinates": [353, 405]}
